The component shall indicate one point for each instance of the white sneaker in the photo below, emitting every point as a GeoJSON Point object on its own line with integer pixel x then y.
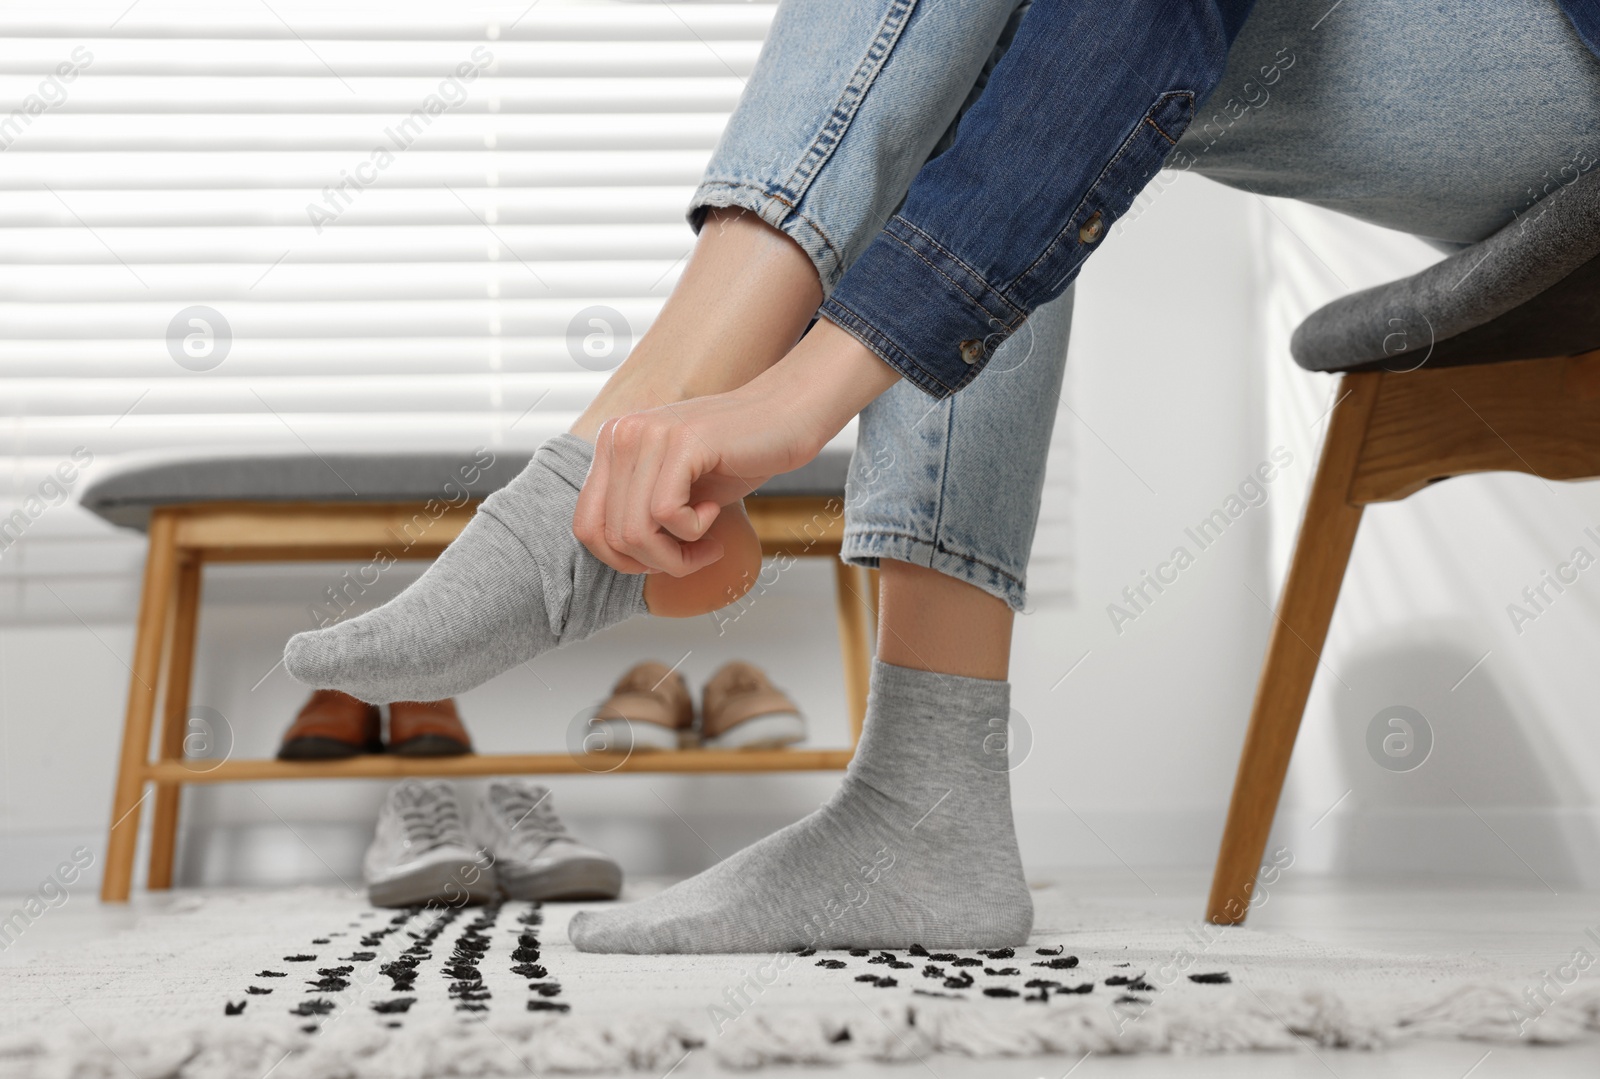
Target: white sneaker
{"type": "Point", "coordinates": [423, 852]}
{"type": "Point", "coordinates": [534, 856]}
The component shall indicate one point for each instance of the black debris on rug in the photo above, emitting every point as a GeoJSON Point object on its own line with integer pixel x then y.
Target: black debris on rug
{"type": "Point", "coordinates": [1065, 962]}
{"type": "Point", "coordinates": [956, 976]}
{"type": "Point", "coordinates": [382, 976]}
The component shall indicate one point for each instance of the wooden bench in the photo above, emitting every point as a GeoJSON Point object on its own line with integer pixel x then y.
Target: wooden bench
{"type": "Point", "coordinates": [291, 508]}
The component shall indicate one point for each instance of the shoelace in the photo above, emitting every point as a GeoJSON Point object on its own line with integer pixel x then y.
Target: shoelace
{"type": "Point", "coordinates": [432, 819]}
{"type": "Point", "coordinates": [530, 820]}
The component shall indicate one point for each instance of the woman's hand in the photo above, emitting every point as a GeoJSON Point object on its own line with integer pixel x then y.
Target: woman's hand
{"type": "Point", "coordinates": [660, 478]}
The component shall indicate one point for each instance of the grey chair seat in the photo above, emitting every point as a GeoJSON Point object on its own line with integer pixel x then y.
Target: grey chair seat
{"type": "Point", "coordinates": [1530, 291]}
{"type": "Point", "coordinates": [126, 493]}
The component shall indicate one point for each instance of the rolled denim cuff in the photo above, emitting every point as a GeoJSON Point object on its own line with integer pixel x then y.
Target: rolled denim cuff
{"type": "Point", "coordinates": [926, 313]}
{"type": "Point", "coordinates": [870, 548]}
{"type": "Point", "coordinates": [777, 211]}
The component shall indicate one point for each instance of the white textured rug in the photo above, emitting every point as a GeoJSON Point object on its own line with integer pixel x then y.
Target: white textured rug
{"type": "Point", "coordinates": [331, 988]}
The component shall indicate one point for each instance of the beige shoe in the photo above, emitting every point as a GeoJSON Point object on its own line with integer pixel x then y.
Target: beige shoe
{"type": "Point", "coordinates": [744, 710]}
{"type": "Point", "coordinates": [649, 708]}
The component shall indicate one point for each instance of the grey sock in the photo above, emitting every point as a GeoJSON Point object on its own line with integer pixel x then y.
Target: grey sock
{"type": "Point", "coordinates": [916, 847]}
{"type": "Point", "coordinates": [516, 583]}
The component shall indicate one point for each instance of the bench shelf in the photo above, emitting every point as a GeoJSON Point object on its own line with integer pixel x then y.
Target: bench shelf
{"type": "Point", "coordinates": [183, 538]}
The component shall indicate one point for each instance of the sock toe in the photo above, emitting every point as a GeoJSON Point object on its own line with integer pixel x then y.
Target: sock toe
{"type": "Point", "coordinates": [310, 657]}
{"type": "Point", "coordinates": [342, 657]}
{"type": "Point", "coordinates": [648, 927]}
{"type": "Point", "coordinates": [593, 931]}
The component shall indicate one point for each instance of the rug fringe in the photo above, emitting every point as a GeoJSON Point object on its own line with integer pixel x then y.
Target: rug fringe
{"type": "Point", "coordinates": [1239, 1020]}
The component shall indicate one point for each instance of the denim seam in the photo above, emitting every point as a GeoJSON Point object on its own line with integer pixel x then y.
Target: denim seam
{"type": "Point", "coordinates": [944, 474]}
{"type": "Point", "coordinates": [1170, 140]}
{"type": "Point", "coordinates": [1127, 144]}
{"type": "Point", "coordinates": [892, 354]}
{"type": "Point", "coordinates": [794, 211]}
{"type": "Point", "coordinates": [936, 546]}
{"type": "Point", "coordinates": [953, 257]}
{"type": "Point", "coordinates": [845, 108]}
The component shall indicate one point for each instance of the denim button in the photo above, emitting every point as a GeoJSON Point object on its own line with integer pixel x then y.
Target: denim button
{"type": "Point", "coordinates": [971, 351]}
{"type": "Point", "coordinates": [1092, 228]}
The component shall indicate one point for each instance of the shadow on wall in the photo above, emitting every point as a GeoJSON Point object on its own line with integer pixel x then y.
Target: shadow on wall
{"type": "Point", "coordinates": [1449, 768]}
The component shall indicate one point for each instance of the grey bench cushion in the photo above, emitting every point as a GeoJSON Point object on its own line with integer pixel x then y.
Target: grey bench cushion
{"type": "Point", "coordinates": [128, 490]}
{"type": "Point", "coordinates": [1529, 291]}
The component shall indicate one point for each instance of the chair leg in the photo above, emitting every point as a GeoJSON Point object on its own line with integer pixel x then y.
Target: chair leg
{"type": "Point", "coordinates": [174, 721]}
{"type": "Point", "coordinates": [1294, 650]}
{"type": "Point", "coordinates": [856, 609]}
{"type": "Point", "coordinates": [123, 836]}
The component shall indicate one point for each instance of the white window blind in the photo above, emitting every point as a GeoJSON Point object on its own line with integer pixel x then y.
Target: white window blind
{"type": "Point", "coordinates": [386, 219]}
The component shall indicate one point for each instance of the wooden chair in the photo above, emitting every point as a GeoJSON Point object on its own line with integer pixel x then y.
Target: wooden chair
{"type": "Point", "coordinates": [1486, 362]}
{"type": "Point", "coordinates": [280, 508]}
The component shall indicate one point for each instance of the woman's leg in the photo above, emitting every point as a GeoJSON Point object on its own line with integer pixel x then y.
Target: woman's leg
{"type": "Point", "coordinates": [918, 612]}
{"type": "Point", "coordinates": [516, 583]}
{"type": "Point", "coordinates": [918, 844]}
{"type": "Point", "coordinates": [1446, 122]}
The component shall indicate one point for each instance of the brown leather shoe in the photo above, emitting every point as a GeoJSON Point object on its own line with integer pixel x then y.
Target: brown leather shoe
{"type": "Point", "coordinates": [332, 725]}
{"type": "Point", "coordinates": [742, 709]}
{"type": "Point", "coordinates": [427, 729]}
{"type": "Point", "coordinates": [649, 708]}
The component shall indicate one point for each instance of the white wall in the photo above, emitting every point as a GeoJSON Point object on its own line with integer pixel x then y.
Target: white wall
{"type": "Point", "coordinates": [1133, 751]}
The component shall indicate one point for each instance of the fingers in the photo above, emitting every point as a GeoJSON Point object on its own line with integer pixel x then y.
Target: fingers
{"type": "Point", "coordinates": [637, 453]}
{"type": "Point", "coordinates": [588, 521]}
{"type": "Point", "coordinates": [635, 513]}
{"type": "Point", "coordinates": [673, 506]}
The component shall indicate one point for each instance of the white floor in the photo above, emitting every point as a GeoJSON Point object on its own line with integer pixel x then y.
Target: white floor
{"type": "Point", "coordinates": [1528, 927]}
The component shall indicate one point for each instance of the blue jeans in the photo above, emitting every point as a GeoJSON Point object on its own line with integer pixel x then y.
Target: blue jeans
{"type": "Point", "coordinates": [1445, 124]}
